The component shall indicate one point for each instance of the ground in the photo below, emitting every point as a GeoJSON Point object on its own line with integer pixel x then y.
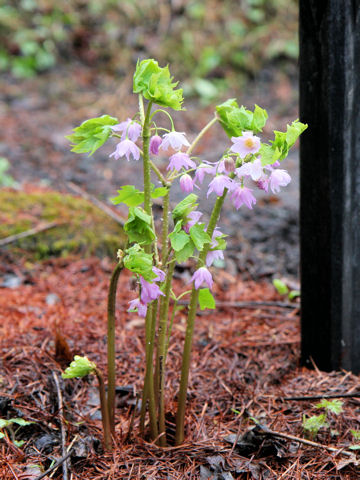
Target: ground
{"type": "Point", "coordinates": [245, 362]}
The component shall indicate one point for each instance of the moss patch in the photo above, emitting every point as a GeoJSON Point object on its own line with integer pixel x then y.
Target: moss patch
{"type": "Point", "coordinates": [82, 227]}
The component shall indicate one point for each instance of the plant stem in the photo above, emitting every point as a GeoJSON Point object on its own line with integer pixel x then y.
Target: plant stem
{"type": "Point", "coordinates": [161, 352]}
{"type": "Point", "coordinates": [190, 327]}
{"type": "Point", "coordinates": [104, 411]}
{"type": "Point", "coordinates": [146, 162]}
{"type": "Point", "coordinates": [165, 228]}
{"type": "Point", "coordinates": [203, 131]}
{"type": "Point", "coordinates": [111, 344]}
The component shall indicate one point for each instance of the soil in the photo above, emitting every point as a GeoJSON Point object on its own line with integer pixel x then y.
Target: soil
{"type": "Point", "coordinates": [245, 368]}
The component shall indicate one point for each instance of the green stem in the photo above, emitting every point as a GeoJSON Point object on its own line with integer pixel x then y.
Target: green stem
{"type": "Point", "coordinates": [161, 353]}
{"type": "Point", "coordinates": [146, 162]}
{"type": "Point", "coordinates": [190, 327]}
{"type": "Point", "coordinates": [165, 228]}
{"type": "Point", "coordinates": [203, 131]}
{"type": "Point", "coordinates": [111, 343]}
{"type": "Point", "coordinates": [104, 411]}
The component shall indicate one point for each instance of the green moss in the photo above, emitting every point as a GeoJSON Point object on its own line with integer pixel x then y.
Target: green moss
{"type": "Point", "coordinates": [82, 228]}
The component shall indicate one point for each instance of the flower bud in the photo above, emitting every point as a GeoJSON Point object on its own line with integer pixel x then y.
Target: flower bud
{"type": "Point", "coordinates": [229, 165]}
{"type": "Point", "coordinates": [155, 143]}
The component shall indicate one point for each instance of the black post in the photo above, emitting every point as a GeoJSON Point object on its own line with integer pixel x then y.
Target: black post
{"type": "Point", "coordinates": [330, 183]}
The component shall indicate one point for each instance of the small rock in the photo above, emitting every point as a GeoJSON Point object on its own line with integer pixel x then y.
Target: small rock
{"type": "Point", "coordinates": [52, 299]}
{"type": "Point", "coordinates": [11, 281]}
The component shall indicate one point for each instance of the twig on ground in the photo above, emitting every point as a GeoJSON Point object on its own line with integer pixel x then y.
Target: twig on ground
{"type": "Point", "coordinates": [95, 201]}
{"type": "Point", "coordinates": [62, 425]}
{"type": "Point", "coordinates": [320, 397]}
{"type": "Point", "coordinates": [59, 462]}
{"type": "Point", "coordinates": [266, 431]}
{"type": "Point", "coordinates": [28, 233]}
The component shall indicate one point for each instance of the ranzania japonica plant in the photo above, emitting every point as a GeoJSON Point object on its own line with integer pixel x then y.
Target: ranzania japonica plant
{"type": "Point", "coordinates": [152, 255]}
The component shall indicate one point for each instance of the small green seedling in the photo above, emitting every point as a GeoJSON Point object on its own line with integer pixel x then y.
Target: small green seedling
{"type": "Point", "coordinates": [313, 424]}
{"type": "Point", "coordinates": [356, 437]}
{"type": "Point", "coordinates": [9, 426]}
{"type": "Point", "coordinates": [283, 289]}
{"type": "Point", "coordinates": [81, 367]}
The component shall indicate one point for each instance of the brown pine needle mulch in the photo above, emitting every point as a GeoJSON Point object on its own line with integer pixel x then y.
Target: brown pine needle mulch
{"type": "Point", "coordinates": [244, 359]}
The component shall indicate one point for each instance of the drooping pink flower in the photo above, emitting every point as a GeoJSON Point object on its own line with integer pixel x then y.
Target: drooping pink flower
{"type": "Point", "coordinates": [263, 183]}
{"type": "Point", "coordinates": [201, 276]}
{"type": "Point", "coordinates": [126, 148]}
{"type": "Point", "coordinates": [149, 291]}
{"type": "Point", "coordinates": [251, 169]}
{"type": "Point", "coordinates": [155, 143]}
{"type": "Point", "coordinates": [139, 306]}
{"type": "Point", "coordinates": [242, 196]}
{"type": "Point", "coordinates": [218, 184]}
{"type": "Point", "coordinates": [214, 255]}
{"type": "Point", "coordinates": [175, 140]}
{"type": "Point", "coordinates": [192, 218]}
{"type": "Point", "coordinates": [278, 178]}
{"type": "Point", "coordinates": [160, 275]}
{"type": "Point", "coordinates": [186, 183]}
{"type": "Point", "coordinates": [180, 160]}
{"type": "Point", "coordinates": [247, 143]}
{"type": "Point", "coordinates": [129, 129]}
{"type": "Point", "coordinates": [201, 170]}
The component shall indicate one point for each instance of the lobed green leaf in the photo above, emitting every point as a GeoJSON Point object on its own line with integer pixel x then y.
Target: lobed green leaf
{"type": "Point", "coordinates": [91, 134]}
{"type": "Point", "coordinates": [199, 236]}
{"type": "Point", "coordinates": [137, 261]}
{"type": "Point", "coordinates": [79, 367]}
{"type": "Point", "coordinates": [128, 194]}
{"type": "Point", "coordinates": [139, 227]}
{"type": "Point", "coordinates": [235, 120]}
{"type": "Point", "coordinates": [206, 299]}
{"type": "Point", "coordinates": [182, 209]}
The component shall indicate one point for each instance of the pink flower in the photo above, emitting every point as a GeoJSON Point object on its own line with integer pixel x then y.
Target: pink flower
{"type": "Point", "coordinates": [245, 144]}
{"type": "Point", "coordinates": [202, 275]}
{"type": "Point", "coordinates": [218, 185]}
{"type": "Point", "coordinates": [242, 196]}
{"type": "Point", "coordinates": [201, 170]}
{"type": "Point", "coordinates": [160, 274]}
{"type": "Point", "coordinates": [155, 143]}
{"type": "Point", "coordinates": [175, 140]}
{"type": "Point", "coordinates": [186, 183]}
{"type": "Point", "coordinates": [227, 165]}
{"type": "Point", "coordinates": [139, 306]}
{"type": "Point", "coordinates": [278, 178]}
{"type": "Point", "coordinates": [214, 255]}
{"type": "Point", "coordinates": [192, 218]}
{"type": "Point", "coordinates": [126, 148]}
{"type": "Point", "coordinates": [263, 183]}
{"type": "Point", "coordinates": [251, 169]}
{"type": "Point", "coordinates": [180, 160]}
{"type": "Point", "coordinates": [129, 129]}
{"type": "Point", "coordinates": [215, 234]}
{"type": "Point", "coordinates": [149, 291]}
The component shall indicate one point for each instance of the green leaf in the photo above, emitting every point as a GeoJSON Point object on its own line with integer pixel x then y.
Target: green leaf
{"type": "Point", "coordinates": [91, 134]}
{"type": "Point", "coordinates": [283, 141]}
{"type": "Point", "coordinates": [313, 424]}
{"type": "Point", "coordinates": [199, 236]}
{"type": "Point", "coordinates": [79, 367]}
{"type": "Point", "coordinates": [354, 447]}
{"type": "Point", "coordinates": [4, 423]}
{"type": "Point", "coordinates": [21, 422]}
{"type": "Point", "coordinates": [155, 83]}
{"type": "Point", "coordinates": [138, 227]}
{"type": "Point", "coordinates": [178, 237]}
{"type": "Point", "coordinates": [159, 192]}
{"type": "Point", "coordinates": [293, 294]}
{"type": "Point", "coordinates": [182, 209]}
{"type": "Point", "coordinates": [128, 194]}
{"type": "Point", "coordinates": [2, 435]}
{"type": "Point", "coordinates": [355, 434]}
{"type": "Point", "coordinates": [18, 443]}
{"type": "Point", "coordinates": [206, 299]}
{"type": "Point", "coordinates": [235, 120]}
{"type": "Point", "coordinates": [280, 286]}
{"type": "Point", "coordinates": [186, 252]}
{"type": "Point", "coordinates": [334, 406]}
{"type": "Point", "coordinates": [137, 261]}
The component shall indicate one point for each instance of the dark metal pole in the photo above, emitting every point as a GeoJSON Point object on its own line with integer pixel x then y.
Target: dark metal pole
{"type": "Point", "coordinates": [330, 183]}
